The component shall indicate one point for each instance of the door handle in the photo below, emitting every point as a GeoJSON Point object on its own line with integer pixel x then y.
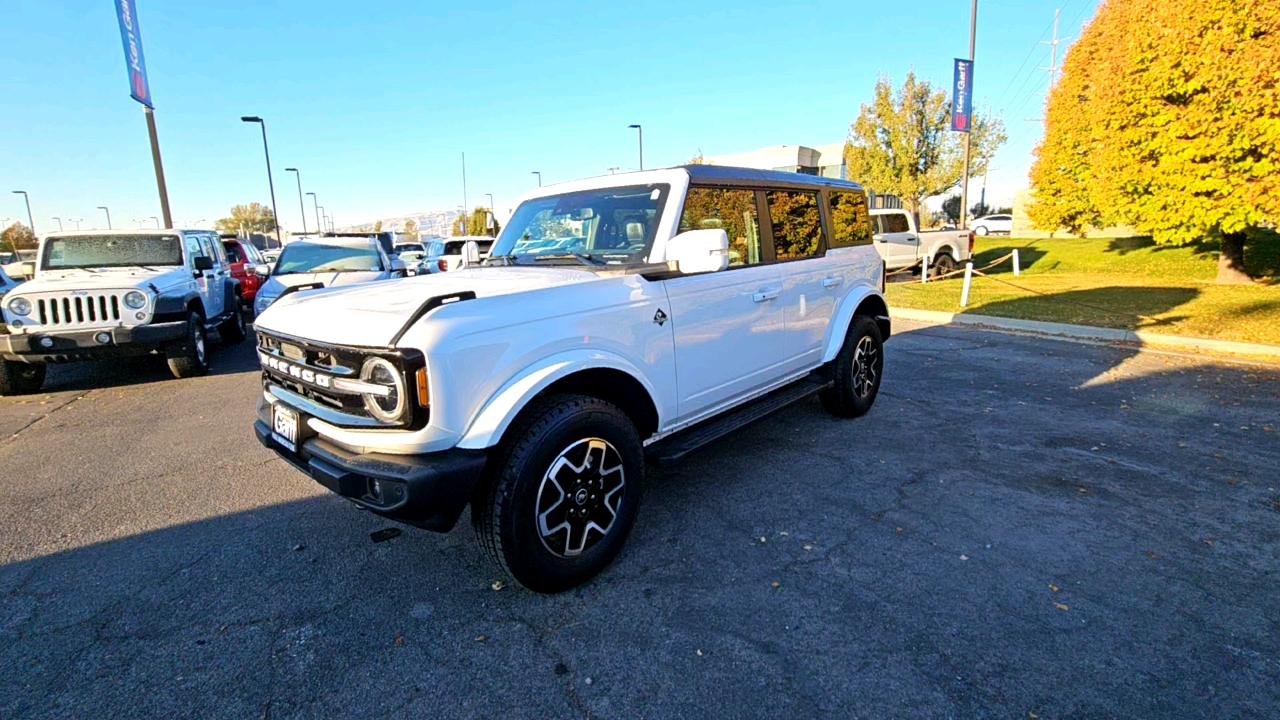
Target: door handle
{"type": "Point", "coordinates": [764, 295]}
{"type": "Point", "coordinates": [830, 282]}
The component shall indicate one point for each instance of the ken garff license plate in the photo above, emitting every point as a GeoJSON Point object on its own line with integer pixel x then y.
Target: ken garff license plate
{"type": "Point", "coordinates": [285, 426]}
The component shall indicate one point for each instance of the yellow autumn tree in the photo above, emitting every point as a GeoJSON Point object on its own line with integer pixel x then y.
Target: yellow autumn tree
{"type": "Point", "coordinates": [1173, 107]}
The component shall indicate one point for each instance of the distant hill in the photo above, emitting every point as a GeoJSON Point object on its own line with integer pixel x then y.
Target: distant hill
{"type": "Point", "coordinates": [431, 223]}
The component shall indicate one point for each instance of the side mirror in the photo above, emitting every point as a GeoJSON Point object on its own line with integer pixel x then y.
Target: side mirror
{"type": "Point", "coordinates": [877, 238]}
{"type": "Point", "coordinates": [203, 263]}
{"type": "Point", "coordinates": [470, 254]}
{"type": "Point", "coordinates": [699, 251]}
{"type": "Point", "coordinates": [262, 270]}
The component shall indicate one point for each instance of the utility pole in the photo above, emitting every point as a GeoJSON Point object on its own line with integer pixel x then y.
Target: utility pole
{"type": "Point", "coordinates": [464, 181]}
{"type": "Point", "coordinates": [968, 137]}
{"type": "Point", "coordinates": [1053, 53]}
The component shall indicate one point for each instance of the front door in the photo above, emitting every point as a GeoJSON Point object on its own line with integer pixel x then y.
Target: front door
{"type": "Point", "coordinates": [208, 283]}
{"type": "Point", "coordinates": [728, 325]}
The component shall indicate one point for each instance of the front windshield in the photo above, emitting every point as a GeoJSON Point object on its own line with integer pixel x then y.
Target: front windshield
{"type": "Point", "coordinates": [610, 226]}
{"type": "Point", "coordinates": [409, 247]}
{"type": "Point", "coordinates": [306, 257]}
{"type": "Point", "coordinates": [102, 251]}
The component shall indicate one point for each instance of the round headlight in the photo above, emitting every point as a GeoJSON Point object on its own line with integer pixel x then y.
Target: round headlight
{"type": "Point", "coordinates": [135, 300]}
{"type": "Point", "coordinates": [20, 306]}
{"type": "Point", "coordinates": [387, 407]}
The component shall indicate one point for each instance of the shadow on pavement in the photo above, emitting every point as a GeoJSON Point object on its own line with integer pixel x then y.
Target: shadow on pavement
{"type": "Point", "coordinates": [223, 360]}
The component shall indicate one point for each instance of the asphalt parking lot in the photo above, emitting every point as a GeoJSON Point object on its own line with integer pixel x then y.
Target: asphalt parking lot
{"type": "Point", "coordinates": [1020, 528]}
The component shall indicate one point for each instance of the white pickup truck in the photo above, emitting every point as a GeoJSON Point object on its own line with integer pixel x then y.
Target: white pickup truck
{"type": "Point", "coordinates": [618, 319]}
{"type": "Point", "coordinates": [902, 245]}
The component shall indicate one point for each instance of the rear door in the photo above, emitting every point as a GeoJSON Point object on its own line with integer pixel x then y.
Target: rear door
{"type": "Point", "coordinates": [811, 282]}
{"type": "Point", "coordinates": [728, 325]}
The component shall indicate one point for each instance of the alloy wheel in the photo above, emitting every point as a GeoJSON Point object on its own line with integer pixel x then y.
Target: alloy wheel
{"type": "Point", "coordinates": [864, 367]}
{"type": "Point", "coordinates": [579, 497]}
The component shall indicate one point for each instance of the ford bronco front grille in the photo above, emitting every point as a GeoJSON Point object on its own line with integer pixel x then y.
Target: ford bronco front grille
{"type": "Point", "coordinates": [79, 311]}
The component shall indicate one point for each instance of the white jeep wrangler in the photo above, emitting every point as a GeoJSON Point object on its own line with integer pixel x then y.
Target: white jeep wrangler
{"type": "Point", "coordinates": [618, 319]}
{"type": "Point", "coordinates": [104, 294]}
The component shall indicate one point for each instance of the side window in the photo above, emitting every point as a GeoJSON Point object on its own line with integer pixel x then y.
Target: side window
{"type": "Point", "coordinates": [733, 211]}
{"type": "Point", "coordinates": [194, 250]}
{"type": "Point", "coordinates": [233, 252]}
{"type": "Point", "coordinates": [850, 224]}
{"type": "Point", "coordinates": [797, 227]}
{"type": "Point", "coordinates": [895, 223]}
{"type": "Point", "coordinates": [219, 252]}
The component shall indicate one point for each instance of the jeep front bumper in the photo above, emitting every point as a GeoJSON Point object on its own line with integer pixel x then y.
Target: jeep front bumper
{"type": "Point", "coordinates": [427, 491]}
{"type": "Point", "coordinates": [84, 345]}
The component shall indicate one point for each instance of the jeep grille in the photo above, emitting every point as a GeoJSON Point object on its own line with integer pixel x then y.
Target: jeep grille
{"type": "Point", "coordinates": [82, 310]}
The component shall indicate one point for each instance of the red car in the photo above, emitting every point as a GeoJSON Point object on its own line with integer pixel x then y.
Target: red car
{"type": "Point", "coordinates": [243, 258]}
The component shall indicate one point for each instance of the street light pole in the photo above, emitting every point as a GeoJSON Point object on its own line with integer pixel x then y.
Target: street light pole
{"type": "Point", "coordinates": [31, 223]}
{"type": "Point", "coordinates": [640, 131]}
{"type": "Point", "coordinates": [157, 221]}
{"type": "Point", "coordinates": [270, 183]}
{"type": "Point", "coordinates": [316, 202]}
{"type": "Point", "coordinates": [77, 222]}
{"type": "Point", "coordinates": [535, 172]}
{"type": "Point", "coordinates": [104, 209]}
{"type": "Point", "coordinates": [302, 207]}
{"type": "Point", "coordinates": [55, 217]}
{"type": "Point", "coordinates": [968, 137]}
{"type": "Point", "coordinates": [319, 213]}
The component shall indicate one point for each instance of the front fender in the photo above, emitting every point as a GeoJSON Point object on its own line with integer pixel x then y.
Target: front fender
{"type": "Point", "coordinates": [844, 315]}
{"type": "Point", "coordinates": [497, 413]}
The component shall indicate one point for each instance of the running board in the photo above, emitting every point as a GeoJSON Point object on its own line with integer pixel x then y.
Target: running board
{"type": "Point", "coordinates": [669, 451]}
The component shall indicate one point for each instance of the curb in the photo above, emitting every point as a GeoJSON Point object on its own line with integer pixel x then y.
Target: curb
{"type": "Point", "coordinates": [1087, 332]}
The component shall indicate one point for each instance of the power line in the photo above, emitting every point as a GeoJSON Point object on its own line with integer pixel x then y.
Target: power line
{"type": "Point", "coordinates": [1035, 46]}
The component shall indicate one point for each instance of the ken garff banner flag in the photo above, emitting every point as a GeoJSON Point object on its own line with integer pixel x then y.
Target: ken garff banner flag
{"type": "Point", "coordinates": [131, 34]}
{"type": "Point", "coordinates": [962, 96]}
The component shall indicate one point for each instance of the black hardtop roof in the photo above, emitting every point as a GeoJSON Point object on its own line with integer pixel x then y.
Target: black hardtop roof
{"type": "Point", "coordinates": [727, 174]}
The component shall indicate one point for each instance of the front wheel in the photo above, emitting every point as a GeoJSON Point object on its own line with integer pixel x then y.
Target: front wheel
{"type": "Point", "coordinates": [189, 357]}
{"type": "Point", "coordinates": [856, 371]}
{"type": "Point", "coordinates": [563, 493]}
{"type": "Point", "coordinates": [19, 378]}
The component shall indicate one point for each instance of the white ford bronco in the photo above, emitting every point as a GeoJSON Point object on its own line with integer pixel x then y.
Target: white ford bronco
{"type": "Point", "coordinates": [104, 294]}
{"type": "Point", "coordinates": [617, 320]}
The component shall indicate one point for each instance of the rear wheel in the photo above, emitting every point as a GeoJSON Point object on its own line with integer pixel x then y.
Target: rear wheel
{"type": "Point", "coordinates": [856, 371]}
{"type": "Point", "coordinates": [981, 230]}
{"type": "Point", "coordinates": [562, 494]}
{"type": "Point", "coordinates": [943, 264]}
{"type": "Point", "coordinates": [19, 378]}
{"type": "Point", "coordinates": [232, 329]}
{"type": "Point", "coordinates": [189, 357]}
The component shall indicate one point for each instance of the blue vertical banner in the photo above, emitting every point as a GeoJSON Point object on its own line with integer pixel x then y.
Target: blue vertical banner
{"type": "Point", "coordinates": [962, 96]}
{"type": "Point", "coordinates": [131, 35]}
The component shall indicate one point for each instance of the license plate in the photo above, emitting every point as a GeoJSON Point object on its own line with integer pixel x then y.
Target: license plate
{"type": "Point", "coordinates": [285, 427]}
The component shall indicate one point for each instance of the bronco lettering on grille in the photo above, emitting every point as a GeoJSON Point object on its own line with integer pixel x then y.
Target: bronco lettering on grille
{"type": "Point", "coordinates": [285, 368]}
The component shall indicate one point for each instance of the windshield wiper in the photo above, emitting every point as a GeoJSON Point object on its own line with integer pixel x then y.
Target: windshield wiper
{"type": "Point", "coordinates": [584, 259]}
{"type": "Point", "coordinates": [506, 259]}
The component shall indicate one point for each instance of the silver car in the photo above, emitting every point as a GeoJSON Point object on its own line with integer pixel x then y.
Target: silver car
{"type": "Point", "coordinates": [326, 262]}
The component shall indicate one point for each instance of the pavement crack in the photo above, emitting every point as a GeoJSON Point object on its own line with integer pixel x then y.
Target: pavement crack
{"type": "Point", "coordinates": [47, 415]}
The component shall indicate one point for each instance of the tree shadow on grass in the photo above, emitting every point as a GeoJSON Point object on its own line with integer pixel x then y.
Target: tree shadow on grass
{"type": "Point", "coordinates": [1115, 306]}
{"type": "Point", "coordinates": [1261, 253]}
{"type": "Point", "coordinates": [1028, 255]}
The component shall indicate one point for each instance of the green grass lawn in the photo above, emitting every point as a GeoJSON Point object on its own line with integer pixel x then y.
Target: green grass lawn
{"type": "Point", "coordinates": [1122, 283]}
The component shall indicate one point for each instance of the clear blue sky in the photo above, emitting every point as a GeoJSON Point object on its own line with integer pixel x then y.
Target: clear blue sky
{"type": "Point", "coordinates": [375, 101]}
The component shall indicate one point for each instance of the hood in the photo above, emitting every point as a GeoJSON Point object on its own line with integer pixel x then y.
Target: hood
{"type": "Point", "coordinates": [105, 279]}
{"type": "Point", "coordinates": [329, 279]}
{"type": "Point", "coordinates": [370, 315]}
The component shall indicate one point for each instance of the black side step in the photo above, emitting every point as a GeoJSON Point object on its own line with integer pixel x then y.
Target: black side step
{"type": "Point", "coordinates": [670, 450]}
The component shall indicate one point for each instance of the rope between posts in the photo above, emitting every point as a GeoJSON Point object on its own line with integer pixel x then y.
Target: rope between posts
{"type": "Point", "coordinates": [912, 269]}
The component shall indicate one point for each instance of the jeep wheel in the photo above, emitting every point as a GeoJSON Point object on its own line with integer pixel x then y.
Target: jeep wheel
{"type": "Point", "coordinates": [189, 357]}
{"type": "Point", "coordinates": [19, 378]}
{"type": "Point", "coordinates": [562, 494]}
{"type": "Point", "coordinates": [232, 329]}
{"type": "Point", "coordinates": [856, 370]}
{"type": "Point", "coordinates": [943, 264]}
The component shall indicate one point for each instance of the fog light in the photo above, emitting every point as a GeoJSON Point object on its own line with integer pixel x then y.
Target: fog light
{"type": "Point", "coordinates": [46, 343]}
{"type": "Point", "coordinates": [141, 316]}
{"type": "Point", "coordinates": [102, 338]}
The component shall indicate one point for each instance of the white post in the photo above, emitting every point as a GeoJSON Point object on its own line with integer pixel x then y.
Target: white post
{"type": "Point", "coordinates": [924, 272]}
{"type": "Point", "coordinates": [1016, 269]}
{"type": "Point", "coordinates": [968, 277]}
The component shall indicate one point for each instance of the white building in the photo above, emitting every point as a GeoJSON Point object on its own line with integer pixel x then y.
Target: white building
{"type": "Point", "coordinates": [824, 160]}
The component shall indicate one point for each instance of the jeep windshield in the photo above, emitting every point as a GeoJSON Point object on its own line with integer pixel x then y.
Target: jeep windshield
{"type": "Point", "coordinates": [305, 257]}
{"type": "Point", "coordinates": [608, 226]}
{"type": "Point", "coordinates": [107, 251]}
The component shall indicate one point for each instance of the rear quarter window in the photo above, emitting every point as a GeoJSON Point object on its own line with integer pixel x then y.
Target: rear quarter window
{"type": "Point", "coordinates": [850, 222]}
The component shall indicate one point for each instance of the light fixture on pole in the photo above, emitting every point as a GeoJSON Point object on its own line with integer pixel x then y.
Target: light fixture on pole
{"type": "Point", "coordinates": [157, 221]}
{"type": "Point", "coordinates": [302, 207]}
{"type": "Point", "coordinates": [319, 216]}
{"type": "Point", "coordinates": [104, 209]}
{"type": "Point", "coordinates": [55, 217]}
{"type": "Point", "coordinates": [316, 202]}
{"type": "Point", "coordinates": [270, 183]}
{"type": "Point", "coordinates": [640, 131]}
{"type": "Point", "coordinates": [77, 222]}
{"type": "Point", "coordinates": [31, 223]}
{"type": "Point", "coordinates": [539, 174]}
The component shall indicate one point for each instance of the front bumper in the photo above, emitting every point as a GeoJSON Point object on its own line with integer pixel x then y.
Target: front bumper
{"type": "Point", "coordinates": [82, 345]}
{"type": "Point", "coordinates": [426, 491]}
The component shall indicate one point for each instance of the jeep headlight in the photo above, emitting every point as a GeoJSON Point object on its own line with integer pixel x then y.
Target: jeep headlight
{"type": "Point", "coordinates": [135, 300]}
{"type": "Point", "coordinates": [387, 405]}
{"type": "Point", "coordinates": [20, 306]}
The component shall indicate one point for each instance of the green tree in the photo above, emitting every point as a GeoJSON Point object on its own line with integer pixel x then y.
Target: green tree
{"type": "Point", "coordinates": [377, 226]}
{"type": "Point", "coordinates": [951, 208]}
{"type": "Point", "coordinates": [411, 230]}
{"type": "Point", "coordinates": [482, 222]}
{"type": "Point", "coordinates": [902, 143]}
{"type": "Point", "coordinates": [254, 217]}
{"type": "Point", "coordinates": [17, 237]}
{"type": "Point", "coordinates": [1166, 120]}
